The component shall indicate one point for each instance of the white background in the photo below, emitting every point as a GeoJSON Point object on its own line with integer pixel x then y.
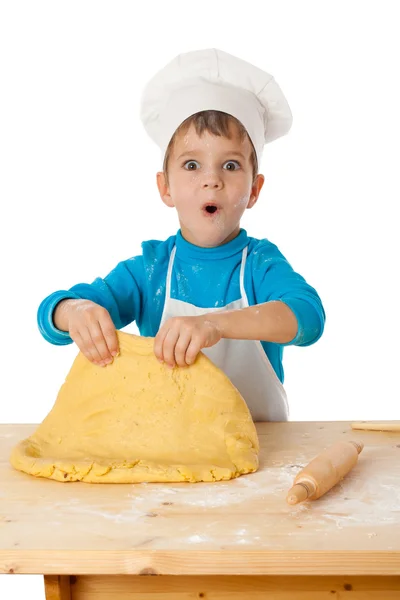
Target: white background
{"type": "Point", "coordinates": [78, 189]}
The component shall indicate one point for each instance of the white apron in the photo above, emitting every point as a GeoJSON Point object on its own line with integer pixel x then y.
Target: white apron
{"type": "Point", "coordinates": [243, 361]}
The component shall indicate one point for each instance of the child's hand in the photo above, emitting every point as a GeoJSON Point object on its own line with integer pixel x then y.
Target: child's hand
{"type": "Point", "coordinates": [91, 328]}
{"type": "Point", "coordinates": [180, 339]}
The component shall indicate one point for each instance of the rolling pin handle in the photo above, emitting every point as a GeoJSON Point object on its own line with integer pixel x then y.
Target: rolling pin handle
{"type": "Point", "coordinates": [359, 446]}
{"type": "Point", "coordinates": [298, 493]}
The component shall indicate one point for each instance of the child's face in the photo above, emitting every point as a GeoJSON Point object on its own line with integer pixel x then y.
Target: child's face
{"type": "Point", "coordinates": [210, 185]}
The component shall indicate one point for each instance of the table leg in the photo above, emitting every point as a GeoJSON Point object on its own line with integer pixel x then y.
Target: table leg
{"type": "Point", "coordinates": [57, 587]}
{"type": "Point", "coordinates": [262, 587]}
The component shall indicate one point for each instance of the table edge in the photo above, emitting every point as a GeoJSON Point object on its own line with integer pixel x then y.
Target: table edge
{"type": "Point", "coordinates": [193, 562]}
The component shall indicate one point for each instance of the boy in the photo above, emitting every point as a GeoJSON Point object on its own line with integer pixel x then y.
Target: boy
{"type": "Point", "coordinates": [210, 288]}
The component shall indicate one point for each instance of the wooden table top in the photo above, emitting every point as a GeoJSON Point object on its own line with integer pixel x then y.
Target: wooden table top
{"type": "Point", "coordinates": [243, 526]}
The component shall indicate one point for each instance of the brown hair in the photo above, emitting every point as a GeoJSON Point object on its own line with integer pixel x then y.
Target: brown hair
{"type": "Point", "coordinates": [216, 123]}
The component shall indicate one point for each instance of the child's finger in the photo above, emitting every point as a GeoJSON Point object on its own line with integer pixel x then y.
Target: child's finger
{"type": "Point", "coordinates": [168, 350]}
{"type": "Point", "coordinates": [158, 343]}
{"type": "Point", "coordinates": [180, 348]}
{"type": "Point", "coordinates": [85, 344]}
{"type": "Point", "coordinates": [99, 342]}
{"type": "Point", "coordinates": [110, 336]}
{"type": "Point", "coordinates": [192, 351]}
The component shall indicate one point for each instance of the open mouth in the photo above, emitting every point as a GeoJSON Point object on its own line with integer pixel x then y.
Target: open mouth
{"type": "Point", "coordinates": [210, 208]}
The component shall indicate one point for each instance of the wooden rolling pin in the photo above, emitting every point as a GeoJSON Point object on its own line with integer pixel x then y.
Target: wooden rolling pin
{"type": "Point", "coordinates": [324, 471]}
{"type": "Point", "coordinates": [368, 425]}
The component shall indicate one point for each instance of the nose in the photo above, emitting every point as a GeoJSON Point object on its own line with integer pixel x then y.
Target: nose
{"type": "Point", "coordinates": [211, 181]}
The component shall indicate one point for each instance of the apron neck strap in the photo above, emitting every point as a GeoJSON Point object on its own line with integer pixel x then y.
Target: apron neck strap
{"type": "Point", "coordinates": [241, 276]}
{"type": "Point", "coordinates": [169, 274]}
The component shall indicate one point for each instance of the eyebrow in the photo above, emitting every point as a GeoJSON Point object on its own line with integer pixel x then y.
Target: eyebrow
{"type": "Point", "coordinates": [228, 153]}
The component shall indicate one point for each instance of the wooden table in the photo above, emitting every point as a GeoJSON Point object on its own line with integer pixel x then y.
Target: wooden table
{"type": "Point", "coordinates": [235, 539]}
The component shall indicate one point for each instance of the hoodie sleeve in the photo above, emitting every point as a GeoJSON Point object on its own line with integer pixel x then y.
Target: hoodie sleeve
{"type": "Point", "coordinates": [275, 279]}
{"type": "Point", "coordinates": [120, 292]}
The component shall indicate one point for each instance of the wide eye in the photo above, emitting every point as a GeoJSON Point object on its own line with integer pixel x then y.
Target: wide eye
{"type": "Point", "coordinates": [191, 165]}
{"type": "Point", "coordinates": [232, 165]}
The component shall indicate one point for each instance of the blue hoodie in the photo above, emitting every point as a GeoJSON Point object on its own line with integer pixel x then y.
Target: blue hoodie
{"type": "Point", "coordinates": [207, 277]}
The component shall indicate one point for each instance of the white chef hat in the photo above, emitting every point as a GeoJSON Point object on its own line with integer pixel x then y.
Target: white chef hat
{"type": "Point", "coordinates": [214, 80]}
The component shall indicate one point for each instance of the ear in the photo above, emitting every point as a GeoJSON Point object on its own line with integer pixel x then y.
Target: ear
{"type": "Point", "coordinates": [164, 189]}
{"type": "Point", "coordinates": [255, 190]}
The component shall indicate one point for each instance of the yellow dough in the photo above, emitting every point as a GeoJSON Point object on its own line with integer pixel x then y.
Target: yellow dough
{"type": "Point", "coordinates": [137, 420]}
